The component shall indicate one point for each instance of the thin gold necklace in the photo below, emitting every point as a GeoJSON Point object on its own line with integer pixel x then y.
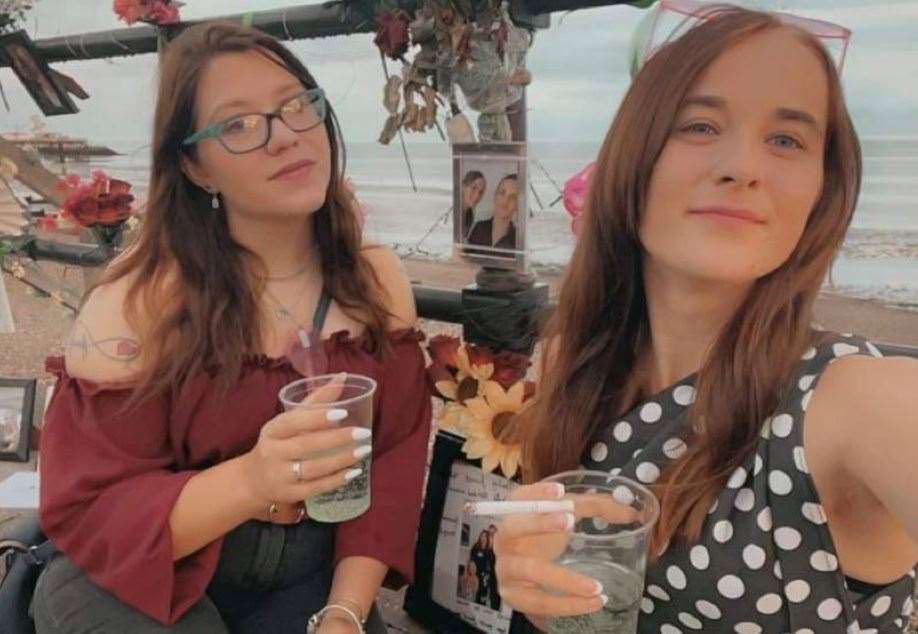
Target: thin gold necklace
{"type": "Point", "coordinates": [289, 276]}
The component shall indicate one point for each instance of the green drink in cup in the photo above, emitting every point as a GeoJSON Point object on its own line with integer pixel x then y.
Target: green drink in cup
{"type": "Point", "coordinates": [356, 397]}
{"type": "Point", "coordinates": [608, 543]}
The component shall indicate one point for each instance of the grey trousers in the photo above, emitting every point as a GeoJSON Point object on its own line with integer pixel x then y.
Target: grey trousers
{"type": "Point", "coordinates": [270, 580]}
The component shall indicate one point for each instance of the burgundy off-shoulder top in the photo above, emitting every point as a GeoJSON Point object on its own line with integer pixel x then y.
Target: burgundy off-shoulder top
{"type": "Point", "coordinates": [109, 477]}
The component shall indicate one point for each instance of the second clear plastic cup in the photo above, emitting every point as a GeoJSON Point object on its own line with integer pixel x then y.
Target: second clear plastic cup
{"type": "Point", "coordinates": [352, 499]}
{"type": "Point", "coordinates": [608, 543]}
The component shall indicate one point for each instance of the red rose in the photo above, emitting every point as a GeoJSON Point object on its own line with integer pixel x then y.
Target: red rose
{"type": "Point", "coordinates": [479, 355]}
{"type": "Point", "coordinates": [509, 367]}
{"type": "Point", "coordinates": [392, 33]}
{"type": "Point", "coordinates": [442, 349]}
{"type": "Point", "coordinates": [85, 211]}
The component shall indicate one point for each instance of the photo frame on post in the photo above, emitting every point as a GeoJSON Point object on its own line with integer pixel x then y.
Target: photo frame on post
{"type": "Point", "coordinates": [43, 84]}
{"type": "Point", "coordinates": [490, 204]}
{"type": "Point", "coordinates": [17, 407]}
{"type": "Point", "coordinates": [455, 588]}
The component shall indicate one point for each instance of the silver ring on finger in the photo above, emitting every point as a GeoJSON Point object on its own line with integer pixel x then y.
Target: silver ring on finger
{"type": "Point", "coordinates": [297, 467]}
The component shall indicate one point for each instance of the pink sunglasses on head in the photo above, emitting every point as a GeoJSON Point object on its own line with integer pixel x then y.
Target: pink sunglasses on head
{"type": "Point", "coordinates": [672, 18]}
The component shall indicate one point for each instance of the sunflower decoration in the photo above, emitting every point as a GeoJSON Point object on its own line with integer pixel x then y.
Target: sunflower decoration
{"type": "Point", "coordinates": [481, 392]}
{"type": "Point", "coordinates": [493, 431]}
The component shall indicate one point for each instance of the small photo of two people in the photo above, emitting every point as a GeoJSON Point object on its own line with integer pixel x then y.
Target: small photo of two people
{"type": "Point", "coordinates": [490, 202]}
{"type": "Point", "coordinates": [477, 579]}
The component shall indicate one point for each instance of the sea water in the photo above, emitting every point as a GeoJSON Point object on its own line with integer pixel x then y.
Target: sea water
{"type": "Point", "coordinates": [620, 615]}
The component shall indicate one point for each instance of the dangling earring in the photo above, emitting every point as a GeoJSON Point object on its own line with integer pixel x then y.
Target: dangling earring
{"type": "Point", "coordinates": [215, 201]}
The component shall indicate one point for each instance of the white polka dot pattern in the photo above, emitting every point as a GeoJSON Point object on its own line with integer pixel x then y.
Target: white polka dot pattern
{"type": "Point", "coordinates": [813, 512]}
{"type": "Point", "coordinates": [651, 412]}
{"type": "Point", "coordinates": [754, 556]}
{"type": "Point", "coordinates": [676, 577]}
{"type": "Point", "coordinates": [690, 621]}
{"type": "Point", "coordinates": [782, 425]}
{"type": "Point", "coordinates": [723, 531]}
{"type": "Point", "coordinates": [769, 603]}
{"type": "Point", "coordinates": [731, 586]}
{"type": "Point", "coordinates": [780, 483]}
{"type": "Point", "coordinates": [787, 538]}
{"type": "Point", "coordinates": [674, 448]}
{"type": "Point", "coordinates": [708, 610]}
{"type": "Point", "coordinates": [684, 395]}
{"type": "Point", "coordinates": [599, 452]}
{"type": "Point", "coordinates": [829, 609]}
{"type": "Point", "coordinates": [621, 432]}
{"type": "Point", "coordinates": [881, 606]}
{"type": "Point", "coordinates": [745, 500]}
{"type": "Point", "coordinates": [764, 560]}
{"type": "Point", "coordinates": [797, 591]}
{"type": "Point", "coordinates": [699, 557]}
{"type": "Point", "coordinates": [737, 479]}
{"type": "Point", "coordinates": [657, 592]}
{"type": "Point", "coordinates": [647, 472]}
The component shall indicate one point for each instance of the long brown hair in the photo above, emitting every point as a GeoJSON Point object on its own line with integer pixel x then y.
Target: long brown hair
{"type": "Point", "coordinates": [191, 282]}
{"type": "Point", "coordinates": [600, 329]}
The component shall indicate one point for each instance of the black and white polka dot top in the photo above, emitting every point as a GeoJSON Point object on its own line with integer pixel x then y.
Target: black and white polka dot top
{"type": "Point", "coordinates": [766, 561]}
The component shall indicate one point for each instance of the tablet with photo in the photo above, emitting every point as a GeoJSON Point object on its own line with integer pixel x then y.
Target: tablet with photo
{"type": "Point", "coordinates": [455, 589]}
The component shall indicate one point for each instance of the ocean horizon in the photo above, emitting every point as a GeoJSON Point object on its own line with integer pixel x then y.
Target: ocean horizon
{"type": "Point", "coordinates": [878, 261]}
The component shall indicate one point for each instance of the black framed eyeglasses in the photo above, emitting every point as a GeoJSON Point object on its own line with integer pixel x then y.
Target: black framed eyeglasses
{"type": "Point", "coordinates": [249, 132]}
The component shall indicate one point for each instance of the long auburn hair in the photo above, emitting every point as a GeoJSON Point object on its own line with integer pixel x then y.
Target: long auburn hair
{"type": "Point", "coordinates": [192, 296]}
{"type": "Point", "coordinates": [599, 331]}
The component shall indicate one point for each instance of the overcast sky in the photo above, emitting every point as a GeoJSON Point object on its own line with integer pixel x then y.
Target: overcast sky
{"type": "Point", "coordinates": [580, 69]}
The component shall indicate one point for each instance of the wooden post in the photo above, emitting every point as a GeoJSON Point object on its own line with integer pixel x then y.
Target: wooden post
{"type": "Point", "coordinates": [32, 173]}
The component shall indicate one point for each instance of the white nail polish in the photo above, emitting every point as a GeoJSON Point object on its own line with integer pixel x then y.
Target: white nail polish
{"type": "Point", "coordinates": [336, 415]}
{"type": "Point", "coordinates": [353, 473]}
{"type": "Point", "coordinates": [598, 589]}
{"type": "Point", "coordinates": [558, 490]}
{"type": "Point", "coordinates": [362, 451]}
{"type": "Point", "coordinates": [604, 599]}
{"type": "Point", "coordinates": [361, 433]}
{"type": "Point", "coordinates": [569, 521]}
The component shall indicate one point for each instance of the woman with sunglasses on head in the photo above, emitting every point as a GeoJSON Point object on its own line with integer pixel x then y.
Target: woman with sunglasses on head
{"type": "Point", "coordinates": [172, 483]}
{"type": "Point", "coordinates": [682, 355]}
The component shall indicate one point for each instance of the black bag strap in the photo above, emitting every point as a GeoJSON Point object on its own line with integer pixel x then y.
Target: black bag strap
{"type": "Point", "coordinates": [36, 555]}
{"type": "Point", "coordinates": [318, 318]}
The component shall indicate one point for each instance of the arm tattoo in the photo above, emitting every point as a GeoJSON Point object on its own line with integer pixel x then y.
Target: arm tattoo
{"type": "Point", "coordinates": [121, 349]}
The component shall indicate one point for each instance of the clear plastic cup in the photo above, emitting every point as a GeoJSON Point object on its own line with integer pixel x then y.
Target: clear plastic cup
{"type": "Point", "coordinates": [609, 543]}
{"type": "Point", "coordinates": [352, 499]}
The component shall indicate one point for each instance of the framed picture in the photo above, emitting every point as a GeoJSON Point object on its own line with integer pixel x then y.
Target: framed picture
{"type": "Point", "coordinates": [42, 83]}
{"type": "Point", "coordinates": [490, 204]}
{"type": "Point", "coordinates": [17, 404]}
{"type": "Point", "coordinates": [455, 589]}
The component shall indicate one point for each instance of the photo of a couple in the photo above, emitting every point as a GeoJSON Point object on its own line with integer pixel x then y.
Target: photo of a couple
{"type": "Point", "coordinates": [477, 576]}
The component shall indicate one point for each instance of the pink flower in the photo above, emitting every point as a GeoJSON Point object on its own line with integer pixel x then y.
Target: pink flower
{"type": "Point", "coordinates": [129, 11]}
{"type": "Point", "coordinates": [577, 189]}
{"type": "Point", "coordinates": [163, 13]}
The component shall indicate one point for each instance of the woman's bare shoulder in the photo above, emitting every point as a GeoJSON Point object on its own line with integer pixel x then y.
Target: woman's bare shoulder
{"type": "Point", "coordinates": [102, 346]}
{"type": "Point", "coordinates": [392, 275]}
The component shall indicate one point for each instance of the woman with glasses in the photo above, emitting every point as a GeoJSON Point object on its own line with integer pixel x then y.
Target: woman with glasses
{"type": "Point", "coordinates": [683, 356]}
{"type": "Point", "coordinates": [172, 483]}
